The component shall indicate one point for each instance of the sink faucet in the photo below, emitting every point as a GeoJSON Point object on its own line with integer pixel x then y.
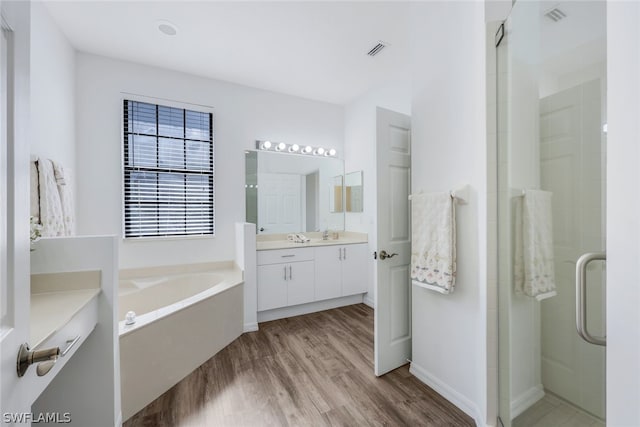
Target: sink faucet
{"type": "Point", "coordinates": [325, 234]}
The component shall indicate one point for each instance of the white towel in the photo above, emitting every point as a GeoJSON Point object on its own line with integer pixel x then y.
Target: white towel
{"type": "Point", "coordinates": [63, 178]}
{"type": "Point", "coordinates": [51, 215]}
{"type": "Point", "coordinates": [433, 242]}
{"type": "Point", "coordinates": [533, 270]}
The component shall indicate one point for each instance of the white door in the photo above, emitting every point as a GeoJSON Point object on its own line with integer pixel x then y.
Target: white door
{"type": "Point", "coordinates": [393, 287]}
{"type": "Point", "coordinates": [14, 211]}
{"type": "Point", "coordinates": [572, 169]}
{"type": "Point", "coordinates": [279, 203]}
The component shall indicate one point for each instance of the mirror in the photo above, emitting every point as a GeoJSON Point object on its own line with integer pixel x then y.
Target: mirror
{"type": "Point", "coordinates": [353, 192]}
{"type": "Point", "coordinates": [288, 193]}
{"type": "Point", "coordinates": [335, 189]}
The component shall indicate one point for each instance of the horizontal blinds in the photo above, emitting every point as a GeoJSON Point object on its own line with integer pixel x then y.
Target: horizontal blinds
{"type": "Point", "coordinates": [168, 171]}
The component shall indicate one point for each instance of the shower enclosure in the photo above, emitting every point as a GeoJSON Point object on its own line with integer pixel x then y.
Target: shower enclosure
{"type": "Point", "coordinates": [551, 84]}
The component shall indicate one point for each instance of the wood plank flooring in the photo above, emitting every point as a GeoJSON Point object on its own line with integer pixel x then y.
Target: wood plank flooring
{"type": "Point", "coordinates": [311, 370]}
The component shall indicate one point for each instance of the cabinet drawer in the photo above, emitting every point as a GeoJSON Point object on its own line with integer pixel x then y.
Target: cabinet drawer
{"type": "Point", "coordinates": [279, 256]}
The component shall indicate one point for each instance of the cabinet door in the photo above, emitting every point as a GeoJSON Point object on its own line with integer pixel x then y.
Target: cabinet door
{"type": "Point", "coordinates": [272, 286]}
{"type": "Point", "coordinates": [354, 269]}
{"type": "Point", "coordinates": [328, 272]}
{"type": "Point", "coordinates": [300, 282]}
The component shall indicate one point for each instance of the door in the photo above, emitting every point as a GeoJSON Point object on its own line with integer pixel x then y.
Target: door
{"type": "Point", "coordinates": [300, 283]}
{"type": "Point", "coordinates": [272, 286]}
{"type": "Point", "coordinates": [14, 207]}
{"type": "Point", "coordinates": [354, 260]}
{"type": "Point", "coordinates": [328, 272]}
{"type": "Point", "coordinates": [280, 203]}
{"type": "Point", "coordinates": [552, 85]}
{"type": "Point", "coordinates": [393, 284]}
{"type": "Point", "coordinates": [571, 168]}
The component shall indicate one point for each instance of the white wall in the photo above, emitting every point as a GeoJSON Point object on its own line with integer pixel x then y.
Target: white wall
{"type": "Point", "coordinates": [449, 149]}
{"type": "Point", "coordinates": [360, 154]}
{"type": "Point", "coordinates": [623, 211]}
{"type": "Point", "coordinates": [52, 90]}
{"type": "Point", "coordinates": [241, 115]}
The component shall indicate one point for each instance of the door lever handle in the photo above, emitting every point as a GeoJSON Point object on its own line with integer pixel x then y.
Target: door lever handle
{"type": "Point", "coordinates": [384, 255]}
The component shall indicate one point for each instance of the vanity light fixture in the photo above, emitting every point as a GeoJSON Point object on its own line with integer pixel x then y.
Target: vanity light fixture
{"type": "Point", "coordinates": [295, 149]}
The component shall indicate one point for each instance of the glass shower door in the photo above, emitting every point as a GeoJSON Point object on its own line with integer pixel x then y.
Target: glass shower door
{"type": "Point", "coordinates": [551, 137]}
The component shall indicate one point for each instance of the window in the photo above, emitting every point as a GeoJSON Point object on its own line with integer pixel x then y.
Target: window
{"type": "Point", "coordinates": [168, 171]}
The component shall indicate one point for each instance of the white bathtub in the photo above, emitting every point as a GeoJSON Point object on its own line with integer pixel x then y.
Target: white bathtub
{"type": "Point", "coordinates": [184, 316]}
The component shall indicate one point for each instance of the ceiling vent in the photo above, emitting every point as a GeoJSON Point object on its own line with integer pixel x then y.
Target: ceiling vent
{"type": "Point", "coordinates": [555, 14]}
{"type": "Point", "coordinates": [377, 48]}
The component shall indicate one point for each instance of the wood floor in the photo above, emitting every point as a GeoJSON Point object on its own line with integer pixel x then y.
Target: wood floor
{"type": "Point", "coordinates": [312, 370]}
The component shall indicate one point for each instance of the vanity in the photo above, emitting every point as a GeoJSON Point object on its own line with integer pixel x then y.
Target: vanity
{"type": "Point", "coordinates": [288, 194]}
{"type": "Point", "coordinates": [291, 274]}
{"type": "Point", "coordinates": [72, 319]}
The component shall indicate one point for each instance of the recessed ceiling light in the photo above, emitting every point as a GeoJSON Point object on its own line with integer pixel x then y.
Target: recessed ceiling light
{"type": "Point", "coordinates": [167, 28]}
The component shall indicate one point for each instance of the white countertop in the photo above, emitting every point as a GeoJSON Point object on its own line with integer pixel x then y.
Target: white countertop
{"type": "Point", "coordinates": [51, 311]}
{"type": "Point", "coordinates": [266, 242]}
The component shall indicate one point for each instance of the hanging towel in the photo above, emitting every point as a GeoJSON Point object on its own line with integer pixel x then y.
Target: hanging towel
{"type": "Point", "coordinates": [533, 271]}
{"type": "Point", "coordinates": [51, 215]}
{"type": "Point", "coordinates": [433, 241]}
{"type": "Point", "coordinates": [63, 178]}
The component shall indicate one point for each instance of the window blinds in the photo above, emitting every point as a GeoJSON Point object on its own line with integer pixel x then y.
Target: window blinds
{"type": "Point", "coordinates": [168, 171]}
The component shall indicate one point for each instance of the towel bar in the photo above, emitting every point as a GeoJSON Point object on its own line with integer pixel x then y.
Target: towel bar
{"type": "Point", "coordinates": [461, 194]}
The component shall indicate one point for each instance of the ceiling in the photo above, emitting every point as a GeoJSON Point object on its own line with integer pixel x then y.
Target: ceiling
{"type": "Point", "coordinates": [315, 50]}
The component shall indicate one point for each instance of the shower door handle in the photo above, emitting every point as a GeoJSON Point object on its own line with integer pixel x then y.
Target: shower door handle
{"type": "Point", "coordinates": [581, 297]}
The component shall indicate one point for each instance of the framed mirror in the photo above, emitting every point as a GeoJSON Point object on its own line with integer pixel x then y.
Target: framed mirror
{"type": "Point", "coordinates": [353, 189]}
{"type": "Point", "coordinates": [288, 193]}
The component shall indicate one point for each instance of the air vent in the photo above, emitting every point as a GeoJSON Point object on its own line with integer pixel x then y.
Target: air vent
{"type": "Point", "coordinates": [377, 48]}
{"type": "Point", "coordinates": [555, 14]}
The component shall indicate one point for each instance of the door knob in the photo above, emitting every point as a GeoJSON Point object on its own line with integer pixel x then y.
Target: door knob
{"type": "Point", "coordinates": [28, 357]}
{"type": "Point", "coordinates": [384, 255]}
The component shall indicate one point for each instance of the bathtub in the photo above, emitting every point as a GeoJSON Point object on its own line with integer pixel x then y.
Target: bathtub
{"type": "Point", "coordinates": [184, 316]}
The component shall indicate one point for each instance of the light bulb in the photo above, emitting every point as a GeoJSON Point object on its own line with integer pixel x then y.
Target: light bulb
{"type": "Point", "coordinates": [294, 148]}
{"type": "Point", "coordinates": [319, 151]}
{"type": "Point", "coordinates": [281, 146]}
{"type": "Point", "coordinates": [332, 152]}
{"type": "Point", "coordinates": [308, 149]}
{"type": "Point", "coordinates": [266, 145]}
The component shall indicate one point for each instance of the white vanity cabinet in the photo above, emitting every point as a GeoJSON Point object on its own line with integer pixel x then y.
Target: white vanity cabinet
{"type": "Point", "coordinates": [293, 279]}
{"type": "Point", "coordinates": [340, 271]}
{"type": "Point", "coordinates": [285, 277]}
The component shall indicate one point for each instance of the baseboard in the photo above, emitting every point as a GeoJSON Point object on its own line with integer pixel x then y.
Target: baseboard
{"type": "Point", "coordinates": [312, 307]}
{"type": "Point", "coordinates": [250, 327]}
{"type": "Point", "coordinates": [369, 301]}
{"type": "Point", "coordinates": [526, 400]}
{"type": "Point", "coordinates": [453, 396]}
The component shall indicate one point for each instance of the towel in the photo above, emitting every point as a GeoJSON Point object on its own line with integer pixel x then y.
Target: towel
{"type": "Point", "coordinates": [63, 178]}
{"type": "Point", "coordinates": [534, 271]}
{"type": "Point", "coordinates": [433, 242]}
{"type": "Point", "coordinates": [51, 214]}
